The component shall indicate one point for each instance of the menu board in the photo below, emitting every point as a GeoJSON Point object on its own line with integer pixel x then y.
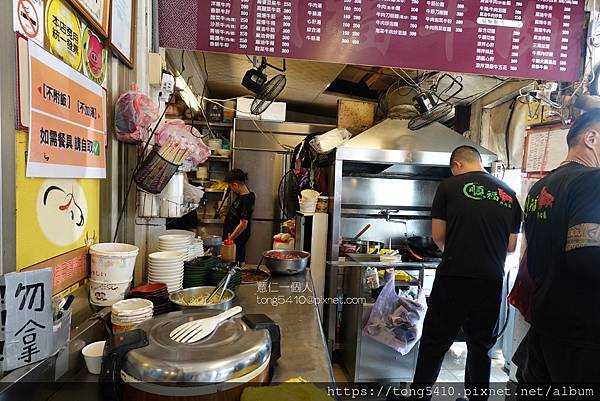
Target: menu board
{"type": "Point", "coordinates": [539, 39]}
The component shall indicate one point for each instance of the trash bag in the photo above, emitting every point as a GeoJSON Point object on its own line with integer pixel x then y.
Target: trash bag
{"type": "Point", "coordinates": [192, 194]}
{"type": "Point", "coordinates": [134, 113]}
{"type": "Point", "coordinates": [397, 320]}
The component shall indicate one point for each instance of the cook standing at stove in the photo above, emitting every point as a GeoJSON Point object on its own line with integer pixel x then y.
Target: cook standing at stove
{"type": "Point", "coordinates": [475, 220]}
{"type": "Point", "coordinates": [238, 221]}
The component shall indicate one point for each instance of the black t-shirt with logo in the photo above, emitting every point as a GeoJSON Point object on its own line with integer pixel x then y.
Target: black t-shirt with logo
{"type": "Point", "coordinates": [566, 299]}
{"type": "Point", "coordinates": [480, 212]}
{"type": "Point", "coordinates": [241, 209]}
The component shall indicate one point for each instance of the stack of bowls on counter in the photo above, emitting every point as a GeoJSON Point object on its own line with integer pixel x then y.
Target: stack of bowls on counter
{"type": "Point", "coordinates": [216, 273]}
{"type": "Point", "coordinates": [197, 248]}
{"type": "Point", "coordinates": [167, 268]}
{"type": "Point", "coordinates": [196, 271]}
{"type": "Point", "coordinates": [127, 314]}
{"type": "Point", "coordinates": [155, 293]}
{"type": "Point", "coordinates": [111, 272]}
{"type": "Point", "coordinates": [176, 243]}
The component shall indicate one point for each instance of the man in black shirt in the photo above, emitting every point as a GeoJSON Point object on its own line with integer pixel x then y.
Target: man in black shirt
{"type": "Point", "coordinates": [475, 220]}
{"type": "Point", "coordinates": [562, 227]}
{"type": "Point", "coordinates": [238, 221]}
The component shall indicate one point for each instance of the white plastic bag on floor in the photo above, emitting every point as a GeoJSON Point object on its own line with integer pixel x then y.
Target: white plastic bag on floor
{"type": "Point", "coordinates": [396, 320]}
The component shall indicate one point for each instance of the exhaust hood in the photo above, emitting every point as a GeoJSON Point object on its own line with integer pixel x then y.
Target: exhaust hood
{"type": "Point", "coordinates": [392, 142]}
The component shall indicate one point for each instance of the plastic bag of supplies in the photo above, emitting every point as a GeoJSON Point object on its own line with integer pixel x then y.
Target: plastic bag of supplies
{"type": "Point", "coordinates": [397, 320]}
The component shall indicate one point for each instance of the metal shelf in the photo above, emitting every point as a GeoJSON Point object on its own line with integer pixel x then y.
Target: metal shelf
{"type": "Point", "coordinates": [203, 123]}
{"type": "Point", "coordinates": [212, 190]}
{"type": "Point", "coordinates": [220, 158]}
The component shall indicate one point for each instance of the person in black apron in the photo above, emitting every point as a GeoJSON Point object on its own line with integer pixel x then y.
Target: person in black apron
{"type": "Point", "coordinates": [238, 221]}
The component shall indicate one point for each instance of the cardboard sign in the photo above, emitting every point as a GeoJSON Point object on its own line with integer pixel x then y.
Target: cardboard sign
{"type": "Point", "coordinates": [29, 19]}
{"type": "Point", "coordinates": [28, 328]}
{"type": "Point", "coordinates": [67, 121]}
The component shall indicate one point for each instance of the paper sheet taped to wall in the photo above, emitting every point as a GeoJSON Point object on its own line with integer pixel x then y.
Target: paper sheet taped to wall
{"type": "Point", "coordinates": [545, 150]}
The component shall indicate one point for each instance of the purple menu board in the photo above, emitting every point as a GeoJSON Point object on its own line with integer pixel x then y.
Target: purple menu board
{"type": "Point", "coordinates": [539, 39]}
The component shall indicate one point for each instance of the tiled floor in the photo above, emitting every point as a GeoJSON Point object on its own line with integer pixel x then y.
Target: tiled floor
{"type": "Point", "coordinates": [453, 370]}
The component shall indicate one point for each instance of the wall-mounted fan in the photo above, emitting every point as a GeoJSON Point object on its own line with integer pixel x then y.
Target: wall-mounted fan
{"type": "Point", "coordinates": [433, 104]}
{"type": "Point", "coordinates": [266, 91]}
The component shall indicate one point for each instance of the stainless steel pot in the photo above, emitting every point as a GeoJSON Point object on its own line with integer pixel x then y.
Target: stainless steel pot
{"type": "Point", "coordinates": [286, 266]}
{"type": "Point", "coordinates": [180, 297]}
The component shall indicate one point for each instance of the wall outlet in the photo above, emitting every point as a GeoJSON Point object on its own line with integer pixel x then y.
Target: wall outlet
{"type": "Point", "coordinates": [167, 86]}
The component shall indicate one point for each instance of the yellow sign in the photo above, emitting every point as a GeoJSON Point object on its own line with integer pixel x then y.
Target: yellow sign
{"type": "Point", "coordinates": [63, 30]}
{"type": "Point", "coordinates": [54, 216]}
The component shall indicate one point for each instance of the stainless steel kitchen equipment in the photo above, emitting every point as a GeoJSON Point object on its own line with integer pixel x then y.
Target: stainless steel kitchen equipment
{"type": "Point", "coordinates": [386, 176]}
{"type": "Point", "coordinates": [264, 151]}
{"type": "Point", "coordinates": [181, 299]}
{"type": "Point", "coordinates": [296, 264]}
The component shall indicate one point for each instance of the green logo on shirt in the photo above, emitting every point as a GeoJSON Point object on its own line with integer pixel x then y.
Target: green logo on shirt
{"type": "Point", "coordinates": [474, 191]}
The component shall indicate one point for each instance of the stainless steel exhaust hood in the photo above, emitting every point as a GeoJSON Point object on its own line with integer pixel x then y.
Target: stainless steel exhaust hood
{"type": "Point", "coordinates": [392, 142]}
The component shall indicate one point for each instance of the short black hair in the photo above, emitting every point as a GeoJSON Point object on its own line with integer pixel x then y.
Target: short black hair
{"type": "Point", "coordinates": [465, 153]}
{"type": "Point", "coordinates": [236, 175]}
{"type": "Point", "coordinates": [581, 125]}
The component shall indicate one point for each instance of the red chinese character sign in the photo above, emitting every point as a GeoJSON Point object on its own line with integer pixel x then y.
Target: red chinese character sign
{"type": "Point", "coordinates": [67, 130]}
{"type": "Point", "coordinates": [539, 39]}
{"type": "Point", "coordinates": [27, 329]}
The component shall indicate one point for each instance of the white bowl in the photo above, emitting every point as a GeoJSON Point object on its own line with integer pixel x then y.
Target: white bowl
{"type": "Point", "coordinates": [170, 255]}
{"type": "Point", "coordinates": [176, 237]}
{"type": "Point", "coordinates": [132, 306]}
{"type": "Point", "coordinates": [92, 353]}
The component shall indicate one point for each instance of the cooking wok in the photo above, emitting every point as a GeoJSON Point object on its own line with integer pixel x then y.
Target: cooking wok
{"type": "Point", "coordinates": [424, 246]}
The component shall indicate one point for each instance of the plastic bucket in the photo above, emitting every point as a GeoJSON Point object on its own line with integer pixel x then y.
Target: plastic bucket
{"type": "Point", "coordinates": [106, 294]}
{"type": "Point", "coordinates": [113, 262]}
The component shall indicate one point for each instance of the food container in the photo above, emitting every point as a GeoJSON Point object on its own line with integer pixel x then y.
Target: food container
{"type": "Point", "coordinates": [202, 173]}
{"type": "Point", "coordinates": [106, 294]}
{"type": "Point", "coordinates": [189, 293]}
{"type": "Point", "coordinates": [279, 265]}
{"type": "Point", "coordinates": [113, 262]}
{"type": "Point", "coordinates": [92, 353]}
{"type": "Point", "coordinates": [216, 368]}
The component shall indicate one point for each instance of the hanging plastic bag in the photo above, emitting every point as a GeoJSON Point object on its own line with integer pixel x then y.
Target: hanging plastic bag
{"type": "Point", "coordinates": [192, 194]}
{"type": "Point", "coordinates": [330, 140]}
{"type": "Point", "coordinates": [187, 137]}
{"type": "Point", "coordinates": [134, 114]}
{"type": "Point", "coordinates": [396, 320]}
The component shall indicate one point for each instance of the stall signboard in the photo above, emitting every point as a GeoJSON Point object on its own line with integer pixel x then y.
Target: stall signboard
{"type": "Point", "coordinates": [521, 38]}
{"type": "Point", "coordinates": [28, 328]}
{"type": "Point", "coordinates": [67, 120]}
{"type": "Point", "coordinates": [62, 215]}
{"type": "Point", "coordinates": [29, 19]}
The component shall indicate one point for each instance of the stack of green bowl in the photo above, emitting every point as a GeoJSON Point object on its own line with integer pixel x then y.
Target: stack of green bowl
{"type": "Point", "coordinates": [216, 274]}
{"type": "Point", "coordinates": [196, 271]}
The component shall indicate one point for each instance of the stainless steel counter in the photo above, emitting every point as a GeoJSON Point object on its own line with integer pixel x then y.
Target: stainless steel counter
{"type": "Point", "coordinates": [287, 302]}
{"type": "Point", "coordinates": [303, 350]}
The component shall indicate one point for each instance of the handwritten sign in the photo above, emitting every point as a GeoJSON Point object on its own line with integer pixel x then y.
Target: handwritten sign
{"type": "Point", "coordinates": [67, 120]}
{"type": "Point", "coordinates": [28, 328]}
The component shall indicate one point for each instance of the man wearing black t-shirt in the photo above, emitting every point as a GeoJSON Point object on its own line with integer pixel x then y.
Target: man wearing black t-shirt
{"type": "Point", "coordinates": [562, 227]}
{"type": "Point", "coordinates": [475, 220]}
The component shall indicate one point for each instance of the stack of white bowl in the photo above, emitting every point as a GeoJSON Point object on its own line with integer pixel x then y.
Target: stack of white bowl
{"type": "Point", "coordinates": [176, 243]}
{"type": "Point", "coordinates": [167, 268]}
{"type": "Point", "coordinates": [127, 314]}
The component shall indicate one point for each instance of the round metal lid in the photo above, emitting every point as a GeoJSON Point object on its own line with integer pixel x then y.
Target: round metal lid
{"type": "Point", "coordinates": [232, 350]}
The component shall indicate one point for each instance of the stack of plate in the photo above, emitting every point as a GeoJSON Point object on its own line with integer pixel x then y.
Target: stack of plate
{"type": "Point", "coordinates": [217, 273]}
{"type": "Point", "coordinates": [155, 293]}
{"type": "Point", "coordinates": [127, 314]}
{"type": "Point", "coordinates": [167, 268]}
{"type": "Point", "coordinates": [176, 243]}
{"type": "Point", "coordinates": [196, 271]}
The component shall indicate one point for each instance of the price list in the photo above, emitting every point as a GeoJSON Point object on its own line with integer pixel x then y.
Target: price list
{"type": "Point", "coordinates": [539, 39]}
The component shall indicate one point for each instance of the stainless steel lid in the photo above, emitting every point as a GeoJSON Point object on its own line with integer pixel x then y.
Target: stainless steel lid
{"type": "Point", "coordinates": [232, 351]}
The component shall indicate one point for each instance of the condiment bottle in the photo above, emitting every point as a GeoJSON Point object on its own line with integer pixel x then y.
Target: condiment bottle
{"type": "Point", "coordinates": [228, 251]}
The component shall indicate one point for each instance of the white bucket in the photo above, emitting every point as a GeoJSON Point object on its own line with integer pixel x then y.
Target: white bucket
{"type": "Point", "coordinates": [106, 294]}
{"type": "Point", "coordinates": [113, 262]}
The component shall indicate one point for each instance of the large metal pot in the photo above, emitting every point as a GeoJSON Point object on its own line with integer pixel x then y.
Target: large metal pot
{"type": "Point", "coordinates": [180, 297]}
{"type": "Point", "coordinates": [286, 266]}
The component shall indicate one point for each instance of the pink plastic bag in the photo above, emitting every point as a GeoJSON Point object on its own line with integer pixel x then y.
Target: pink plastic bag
{"type": "Point", "coordinates": [134, 113]}
{"type": "Point", "coordinates": [187, 136]}
{"type": "Point", "coordinates": [396, 320]}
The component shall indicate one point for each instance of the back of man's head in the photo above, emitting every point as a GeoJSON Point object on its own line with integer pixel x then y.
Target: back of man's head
{"type": "Point", "coordinates": [583, 124]}
{"type": "Point", "coordinates": [466, 155]}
